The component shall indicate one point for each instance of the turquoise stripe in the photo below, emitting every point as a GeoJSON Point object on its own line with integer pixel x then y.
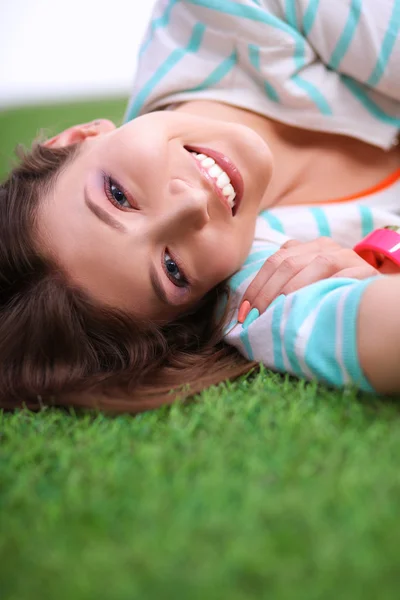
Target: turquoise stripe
{"type": "Point", "coordinates": [367, 220]}
{"type": "Point", "coordinates": [156, 24]}
{"type": "Point", "coordinates": [227, 328]}
{"type": "Point", "coordinates": [314, 94]}
{"type": "Point", "coordinates": [290, 11]}
{"type": "Point", "coordinates": [320, 349]}
{"type": "Point", "coordinates": [309, 16]}
{"type": "Point", "coordinates": [374, 110]}
{"type": "Point", "coordinates": [347, 34]}
{"type": "Point", "coordinates": [299, 60]}
{"type": "Point", "coordinates": [253, 13]}
{"type": "Point", "coordinates": [299, 55]}
{"type": "Point", "coordinates": [219, 73]}
{"type": "Point", "coordinates": [172, 60]}
{"type": "Point", "coordinates": [251, 317]}
{"type": "Point", "coordinates": [276, 335]}
{"type": "Point", "coordinates": [244, 338]}
{"type": "Point", "coordinates": [321, 221]}
{"type": "Point", "coordinates": [388, 43]}
{"type": "Point", "coordinates": [254, 57]}
{"type": "Point", "coordinates": [349, 330]}
{"type": "Point", "coordinates": [289, 338]}
{"type": "Point", "coordinates": [299, 49]}
{"type": "Point", "coordinates": [272, 221]}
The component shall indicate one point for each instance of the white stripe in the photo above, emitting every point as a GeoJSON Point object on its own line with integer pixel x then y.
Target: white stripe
{"type": "Point", "coordinates": [299, 349]}
{"type": "Point", "coordinates": [261, 339]}
{"type": "Point", "coordinates": [302, 338]}
{"type": "Point", "coordinates": [339, 336]}
{"type": "Point", "coordinates": [285, 316]}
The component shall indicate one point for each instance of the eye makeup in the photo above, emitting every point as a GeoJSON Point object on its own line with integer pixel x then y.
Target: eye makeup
{"type": "Point", "coordinates": [180, 282]}
{"type": "Point", "coordinates": [117, 194]}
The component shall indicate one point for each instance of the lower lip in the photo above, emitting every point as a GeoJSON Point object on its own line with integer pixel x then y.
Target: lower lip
{"type": "Point", "coordinates": [230, 169]}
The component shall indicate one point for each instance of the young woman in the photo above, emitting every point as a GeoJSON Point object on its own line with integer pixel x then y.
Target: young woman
{"type": "Point", "coordinates": [116, 244]}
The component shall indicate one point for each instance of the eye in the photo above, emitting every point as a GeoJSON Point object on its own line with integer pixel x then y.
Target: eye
{"type": "Point", "coordinates": [173, 271]}
{"type": "Point", "coordinates": [115, 193]}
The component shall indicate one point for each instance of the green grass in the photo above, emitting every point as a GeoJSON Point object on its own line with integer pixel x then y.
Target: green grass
{"type": "Point", "coordinates": [23, 125]}
{"type": "Point", "coordinates": [266, 488]}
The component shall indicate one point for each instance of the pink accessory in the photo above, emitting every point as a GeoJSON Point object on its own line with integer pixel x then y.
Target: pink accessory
{"type": "Point", "coordinates": [380, 244]}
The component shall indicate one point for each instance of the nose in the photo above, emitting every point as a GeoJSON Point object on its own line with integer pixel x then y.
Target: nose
{"type": "Point", "coordinates": [185, 214]}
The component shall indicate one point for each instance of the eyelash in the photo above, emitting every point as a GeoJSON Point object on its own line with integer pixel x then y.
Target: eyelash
{"type": "Point", "coordinates": [184, 283]}
{"type": "Point", "coordinates": [108, 183]}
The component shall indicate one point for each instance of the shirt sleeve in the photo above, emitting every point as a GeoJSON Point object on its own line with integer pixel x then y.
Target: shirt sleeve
{"type": "Point", "coordinates": [321, 65]}
{"type": "Point", "coordinates": [311, 333]}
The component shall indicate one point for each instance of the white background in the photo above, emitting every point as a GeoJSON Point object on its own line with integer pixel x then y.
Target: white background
{"type": "Point", "coordinates": [62, 49]}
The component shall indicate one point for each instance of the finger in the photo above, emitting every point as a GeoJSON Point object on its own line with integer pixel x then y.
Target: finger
{"type": "Point", "coordinates": [321, 267]}
{"type": "Point", "coordinates": [291, 244]}
{"type": "Point", "coordinates": [289, 268]}
{"type": "Point", "coordinates": [362, 272]}
{"type": "Point", "coordinates": [290, 248]}
{"type": "Point", "coordinates": [273, 263]}
{"type": "Point", "coordinates": [324, 267]}
{"type": "Point", "coordinates": [259, 281]}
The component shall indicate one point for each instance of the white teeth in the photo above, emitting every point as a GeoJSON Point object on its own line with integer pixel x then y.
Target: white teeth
{"type": "Point", "coordinates": [207, 162]}
{"type": "Point", "coordinates": [215, 171]}
{"type": "Point", "coordinates": [228, 190]}
{"type": "Point", "coordinates": [222, 179]}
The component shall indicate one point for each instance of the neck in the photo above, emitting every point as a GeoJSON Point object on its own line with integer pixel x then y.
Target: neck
{"type": "Point", "coordinates": [309, 166]}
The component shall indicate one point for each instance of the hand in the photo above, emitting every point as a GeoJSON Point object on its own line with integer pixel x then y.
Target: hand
{"type": "Point", "coordinates": [297, 264]}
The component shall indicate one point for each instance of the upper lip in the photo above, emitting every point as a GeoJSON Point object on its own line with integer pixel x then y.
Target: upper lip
{"type": "Point", "coordinates": [230, 169]}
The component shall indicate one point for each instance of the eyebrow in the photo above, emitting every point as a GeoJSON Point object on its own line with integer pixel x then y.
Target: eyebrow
{"type": "Point", "coordinates": [103, 215]}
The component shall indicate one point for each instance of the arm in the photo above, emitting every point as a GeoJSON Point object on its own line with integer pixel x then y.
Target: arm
{"type": "Point", "coordinates": [338, 330]}
{"type": "Point", "coordinates": [378, 334]}
{"type": "Point", "coordinates": [310, 333]}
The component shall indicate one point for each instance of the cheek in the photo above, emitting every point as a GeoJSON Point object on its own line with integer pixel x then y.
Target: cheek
{"type": "Point", "coordinates": [223, 263]}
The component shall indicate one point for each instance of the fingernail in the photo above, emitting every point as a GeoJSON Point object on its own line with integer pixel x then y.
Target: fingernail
{"type": "Point", "coordinates": [243, 311]}
{"type": "Point", "coordinates": [252, 316]}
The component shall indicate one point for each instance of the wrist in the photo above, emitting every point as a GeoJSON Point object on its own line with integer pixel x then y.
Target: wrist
{"type": "Point", "coordinates": [381, 246]}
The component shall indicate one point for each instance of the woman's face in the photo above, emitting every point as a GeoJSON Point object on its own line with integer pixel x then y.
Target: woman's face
{"type": "Point", "coordinates": [135, 221]}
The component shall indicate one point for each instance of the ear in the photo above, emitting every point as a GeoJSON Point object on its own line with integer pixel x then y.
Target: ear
{"type": "Point", "coordinates": [79, 133]}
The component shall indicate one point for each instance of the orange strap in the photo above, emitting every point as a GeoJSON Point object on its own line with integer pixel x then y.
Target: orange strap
{"type": "Point", "coordinates": [385, 183]}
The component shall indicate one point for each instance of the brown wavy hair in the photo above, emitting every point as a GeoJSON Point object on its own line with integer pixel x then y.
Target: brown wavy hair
{"type": "Point", "coordinates": [59, 347]}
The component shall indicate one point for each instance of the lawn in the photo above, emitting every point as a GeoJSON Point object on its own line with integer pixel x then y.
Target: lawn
{"type": "Point", "coordinates": [265, 488]}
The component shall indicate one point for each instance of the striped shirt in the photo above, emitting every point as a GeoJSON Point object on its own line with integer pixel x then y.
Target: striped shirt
{"type": "Point", "coordinates": [326, 65]}
{"type": "Point", "coordinates": [310, 333]}
{"type": "Point", "coordinates": [318, 64]}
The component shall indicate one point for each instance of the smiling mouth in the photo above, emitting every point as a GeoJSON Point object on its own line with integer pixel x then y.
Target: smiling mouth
{"type": "Point", "coordinates": [222, 173]}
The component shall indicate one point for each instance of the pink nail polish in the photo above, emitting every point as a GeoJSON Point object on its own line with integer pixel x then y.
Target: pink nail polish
{"type": "Point", "coordinates": [243, 311]}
